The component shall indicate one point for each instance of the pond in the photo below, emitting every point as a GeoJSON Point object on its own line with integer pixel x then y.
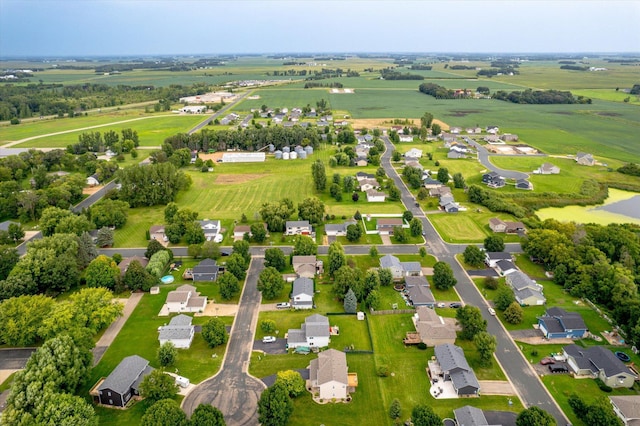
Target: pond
{"type": "Point", "coordinates": [619, 207]}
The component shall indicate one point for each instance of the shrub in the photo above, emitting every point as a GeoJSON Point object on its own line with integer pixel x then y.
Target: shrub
{"type": "Point", "coordinates": [383, 371]}
{"type": "Point", "coordinates": [422, 346]}
{"type": "Point", "coordinates": [603, 387]}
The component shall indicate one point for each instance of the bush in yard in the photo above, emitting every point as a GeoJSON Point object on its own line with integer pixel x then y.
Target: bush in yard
{"type": "Point", "coordinates": [164, 412]}
{"type": "Point", "coordinates": [603, 387]}
{"type": "Point", "coordinates": [383, 371]}
{"type": "Point", "coordinates": [504, 298]}
{"type": "Point", "coordinates": [152, 248]}
{"type": "Point", "coordinates": [422, 346]}
{"type": "Point", "coordinates": [214, 332]}
{"type": "Point", "coordinates": [423, 415]}
{"type": "Point", "coordinates": [292, 381]}
{"type": "Point", "coordinates": [158, 263]}
{"type": "Point", "coordinates": [157, 385]}
{"type": "Point", "coordinates": [167, 354]}
{"type": "Point", "coordinates": [491, 283]}
{"type": "Point", "coordinates": [395, 411]}
{"type": "Point", "coordinates": [514, 313]}
{"type": "Point", "coordinates": [268, 326]}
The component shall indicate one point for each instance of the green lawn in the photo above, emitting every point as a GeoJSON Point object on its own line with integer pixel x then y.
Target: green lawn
{"type": "Point", "coordinates": [471, 226]}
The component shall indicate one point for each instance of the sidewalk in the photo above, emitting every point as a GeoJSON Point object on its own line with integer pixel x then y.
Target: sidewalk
{"type": "Point", "coordinates": [108, 337]}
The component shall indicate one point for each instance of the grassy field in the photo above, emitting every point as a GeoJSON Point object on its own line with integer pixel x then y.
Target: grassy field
{"type": "Point", "coordinates": [468, 227]}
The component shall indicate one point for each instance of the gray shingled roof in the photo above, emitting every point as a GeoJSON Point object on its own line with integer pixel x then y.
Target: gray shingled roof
{"type": "Point", "coordinates": [599, 358]}
{"type": "Point", "coordinates": [390, 261]}
{"type": "Point", "coordinates": [519, 280]}
{"type": "Point", "coordinates": [125, 374]}
{"type": "Point", "coordinates": [470, 416]}
{"type": "Point", "coordinates": [332, 365]}
{"type": "Point", "coordinates": [302, 286]}
{"type": "Point", "coordinates": [525, 293]}
{"type": "Point", "coordinates": [317, 325]}
{"type": "Point", "coordinates": [451, 357]}
{"type": "Point", "coordinates": [565, 320]}
{"type": "Point", "coordinates": [297, 223]}
{"type": "Point", "coordinates": [411, 266]}
{"type": "Point", "coordinates": [296, 336]}
{"type": "Point", "coordinates": [419, 291]}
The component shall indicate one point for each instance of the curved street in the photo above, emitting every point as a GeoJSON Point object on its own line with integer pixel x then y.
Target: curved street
{"type": "Point", "coordinates": [232, 390]}
{"type": "Point", "coordinates": [515, 366]}
{"type": "Point", "coordinates": [483, 157]}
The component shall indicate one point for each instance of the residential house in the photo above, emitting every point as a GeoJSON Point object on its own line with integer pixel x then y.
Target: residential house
{"type": "Point", "coordinates": [298, 227]}
{"type": "Point", "coordinates": [206, 270]}
{"type": "Point", "coordinates": [4, 226]}
{"type": "Point", "coordinates": [508, 137]}
{"type": "Point", "coordinates": [494, 130]}
{"type": "Point", "coordinates": [433, 329]}
{"type": "Point", "coordinates": [429, 183]}
{"type": "Point", "coordinates": [361, 162]}
{"type": "Point", "coordinates": [180, 332]}
{"type": "Point", "coordinates": [454, 367]}
{"type": "Point", "coordinates": [493, 180]}
{"type": "Point", "coordinates": [470, 416]}
{"type": "Point", "coordinates": [599, 362]}
{"type": "Point", "coordinates": [455, 154]}
{"type": "Point", "coordinates": [412, 269]}
{"type": "Point", "coordinates": [185, 299]}
{"type": "Point", "coordinates": [558, 323]}
{"type": "Point", "coordinates": [473, 130]}
{"type": "Point", "coordinates": [156, 232]}
{"type": "Point", "coordinates": [547, 169]}
{"type": "Point", "coordinates": [368, 184]}
{"type": "Point", "coordinates": [124, 265]}
{"type": "Point", "coordinates": [418, 291]}
{"type": "Point", "coordinates": [505, 267]}
{"type": "Point", "coordinates": [211, 228]}
{"type": "Point", "coordinates": [439, 191]}
{"type": "Point", "coordinates": [302, 293]}
{"type": "Point", "coordinates": [451, 207]}
{"type": "Point", "coordinates": [585, 159]}
{"type": "Point", "coordinates": [413, 153]}
{"type": "Point", "coordinates": [410, 162]}
{"type": "Point", "coordinates": [306, 266]}
{"type": "Point", "coordinates": [123, 383]}
{"type": "Point", "coordinates": [493, 140]}
{"type": "Point", "coordinates": [492, 257]}
{"type": "Point", "coordinates": [360, 176]}
{"type": "Point", "coordinates": [329, 375]}
{"type": "Point", "coordinates": [524, 184]}
{"type": "Point", "coordinates": [240, 230]}
{"type": "Point", "coordinates": [374, 196]}
{"type": "Point", "coordinates": [497, 225]}
{"type": "Point", "coordinates": [405, 138]}
{"type": "Point", "coordinates": [526, 291]}
{"type": "Point", "coordinates": [455, 130]}
{"type": "Point", "coordinates": [315, 332]}
{"type": "Point", "coordinates": [515, 227]}
{"type": "Point", "coordinates": [448, 137]}
{"type": "Point", "coordinates": [385, 226]}
{"type": "Point", "coordinates": [392, 263]}
{"type": "Point", "coordinates": [627, 408]}
{"type": "Point", "coordinates": [93, 180]}
{"type": "Point", "coordinates": [338, 229]}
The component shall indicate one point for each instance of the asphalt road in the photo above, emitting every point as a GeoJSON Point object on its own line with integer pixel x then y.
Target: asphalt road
{"type": "Point", "coordinates": [516, 367]}
{"type": "Point", "coordinates": [483, 157]}
{"type": "Point", "coordinates": [232, 390]}
{"type": "Point", "coordinates": [218, 113]}
{"type": "Point", "coordinates": [15, 359]}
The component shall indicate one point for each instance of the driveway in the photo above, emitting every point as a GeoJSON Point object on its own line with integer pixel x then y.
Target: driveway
{"type": "Point", "coordinates": [278, 347]}
{"type": "Point", "coordinates": [15, 359]}
{"type": "Point", "coordinates": [270, 380]}
{"type": "Point", "coordinates": [483, 273]}
{"type": "Point", "coordinates": [110, 334]}
{"type": "Point", "coordinates": [386, 239]}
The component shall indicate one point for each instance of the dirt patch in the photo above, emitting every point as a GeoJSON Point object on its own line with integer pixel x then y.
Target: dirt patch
{"type": "Point", "coordinates": [215, 156]}
{"type": "Point", "coordinates": [608, 114]}
{"type": "Point", "coordinates": [215, 309]}
{"type": "Point", "coordinates": [370, 123]}
{"type": "Point", "coordinates": [463, 112]}
{"type": "Point", "coordinates": [91, 189]}
{"type": "Point", "coordinates": [232, 179]}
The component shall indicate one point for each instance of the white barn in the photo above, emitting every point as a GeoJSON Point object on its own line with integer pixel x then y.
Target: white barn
{"type": "Point", "coordinates": [243, 157]}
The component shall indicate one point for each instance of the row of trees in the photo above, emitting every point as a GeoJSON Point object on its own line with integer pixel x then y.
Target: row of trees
{"type": "Point", "coordinates": [530, 96]}
{"type": "Point", "coordinates": [275, 214]}
{"type": "Point", "coordinates": [125, 141]}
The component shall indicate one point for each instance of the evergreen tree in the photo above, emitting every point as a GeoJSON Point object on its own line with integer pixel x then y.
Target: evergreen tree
{"type": "Point", "coordinates": [350, 302]}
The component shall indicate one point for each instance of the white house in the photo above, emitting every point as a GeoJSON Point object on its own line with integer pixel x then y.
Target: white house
{"type": "Point", "coordinates": [526, 291]}
{"type": "Point", "coordinates": [315, 332]}
{"type": "Point", "coordinates": [179, 332]}
{"type": "Point", "coordinates": [211, 228]}
{"type": "Point", "coordinates": [413, 153]}
{"type": "Point", "coordinates": [302, 293]}
{"type": "Point", "coordinates": [93, 180]}
{"type": "Point", "coordinates": [328, 375]}
{"type": "Point", "coordinates": [627, 408]}
{"type": "Point", "coordinates": [185, 299]}
{"type": "Point", "coordinates": [392, 263]}
{"type": "Point", "coordinates": [405, 138]}
{"type": "Point", "coordinates": [298, 227]}
{"type": "Point", "coordinates": [374, 196]}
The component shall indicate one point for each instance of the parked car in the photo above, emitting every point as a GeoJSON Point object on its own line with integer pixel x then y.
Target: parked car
{"type": "Point", "coordinates": [283, 305]}
{"type": "Point", "coordinates": [441, 305]}
{"type": "Point", "coordinates": [218, 238]}
{"type": "Point", "coordinates": [547, 361]}
{"type": "Point", "coordinates": [492, 311]}
{"type": "Point", "coordinates": [455, 305]}
{"type": "Point", "coordinates": [268, 339]}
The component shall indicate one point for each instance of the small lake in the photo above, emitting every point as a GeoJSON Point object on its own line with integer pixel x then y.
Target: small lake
{"type": "Point", "coordinates": [620, 207]}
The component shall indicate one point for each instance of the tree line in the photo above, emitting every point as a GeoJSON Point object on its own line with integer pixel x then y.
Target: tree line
{"type": "Point", "coordinates": [530, 96]}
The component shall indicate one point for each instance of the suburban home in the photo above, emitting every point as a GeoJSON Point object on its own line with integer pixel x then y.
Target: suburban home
{"type": "Point", "coordinates": [515, 228]}
{"type": "Point", "coordinates": [240, 230]}
{"type": "Point", "coordinates": [307, 266]}
{"type": "Point", "coordinates": [302, 293]}
{"type": "Point", "coordinates": [206, 270]}
{"type": "Point", "coordinates": [405, 138]}
{"type": "Point", "coordinates": [413, 153]}
{"type": "Point", "coordinates": [430, 183]}
{"type": "Point", "coordinates": [452, 365]}
{"type": "Point", "coordinates": [492, 257]}
{"type": "Point", "coordinates": [362, 162]}
{"type": "Point", "coordinates": [374, 196]}
{"type": "Point", "coordinates": [524, 184]}
{"type": "Point", "coordinates": [493, 180]}
{"type": "Point", "coordinates": [392, 263]}
{"type": "Point", "coordinates": [558, 323]}
{"type": "Point", "coordinates": [547, 169]}
{"type": "Point", "coordinates": [472, 416]}
{"type": "Point", "coordinates": [211, 228]}
{"type": "Point", "coordinates": [440, 191]}
{"type": "Point", "coordinates": [493, 130]}
{"type": "Point", "coordinates": [585, 159]}
{"type": "Point", "coordinates": [448, 137]}
{"type": "Point", "coordinates": [315, 332]}
{"type": "Point", "coordinates": [455, 154]}
{"type": "Point", "coordinates": [473, 130]}
{"type": "Point", "coordinates": [329, 376]}
{"type": "Point", "coordinates": [93, 180]}
{"type": "Point", "coordinates": [526, 291]}
{"type": "Point", "coordinates": [338, 229]}
{"type": "Point", "coordinates": [4, 226]}
{"type": "Point", "coordinates": [419, 292]}
{"type": "Point", "coordinates": [179, 332]}
{"type": "Point", "coordinates": [368, 184]}
{"type": "Point", "coordinates": [185, 299]}
{"type": "Point", "coordinates": [599, 362]}
{"type": "Point", "coordinates": [627, 408]}
{"type": "Point", "coordinates": [124, 265]}
{"type": "Point", "coordinates": [156, 232]}
{"type": "Point", "coordinates": [493, 140]}
{"type": "Point", "coordinates": [508, 137]}
{"type": "Point", "coordinates": [123, 383]}
{"type": "Point", "coordinates": [411, 162]}
{"type": "Point", "coordinates": [433, 329]}
{"type": "Point", "coordinates": [498, 225]}
{"type": "Point", "coordinates": [451, 207]}
{"type": "Point", "coordinates": [504, 267]}
{"type": "Point", "coordinates": [455, 130]}
{"type": "Point", "coordinates": [298, 227]}
{"type": "Point", "coordinates": [385, 226]}
{"type": "Point", "coordinates": [360, 176]}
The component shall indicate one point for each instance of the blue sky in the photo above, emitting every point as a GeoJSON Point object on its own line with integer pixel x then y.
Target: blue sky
{"type": "Point", "coordinates": [151, 27]}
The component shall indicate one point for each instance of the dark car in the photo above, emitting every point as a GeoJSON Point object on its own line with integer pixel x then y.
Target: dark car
{"type": "Point", "coordinates": [455, 305]}
{"type": "Point", "coordinates": [558, 368]}
{"type": "Point", "coordinates": [547, 361]}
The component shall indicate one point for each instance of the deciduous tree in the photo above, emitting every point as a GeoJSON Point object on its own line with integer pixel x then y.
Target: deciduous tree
{"type": "Point", "coordinates": [275, 258]}
{"type": "Point", "coordinates": [504, 297]}
{"type": "Point", "coordinates": [486, 345]}
{"type": "Point", "coordinates": [514, 313]}
{"type": "Point", "coordinates": [292, 381]}
{"type": "Point", "coordinates": [494, 243]}
{"type": "Point", "coordinates": [165, 412]}
{"type": "Point", "coordinates": [207, 415]}
{"type": "Point", "coordinates": [471, 322]}
{"type": "Point", "coordinates": [304, 246]}
{"type": "Point", "coordinates": [473, 256]}
{"type": "Point", "coordinates": [167, 354]}
{"type": "Point", "coordinates": [311, 209]}
{"type": "Point", "coordinates": [443, 278]}
{"type": "Point", "coordinates": [423, 415]}
{"type": "Point", "coordinates": [270, 283]}
{"type": "Point", "coordinates": [229, 286]}
{"type": "Point", "coordinates": [337, 258]}
{"type": "Point", "coordinates": [534, 416]}
{"type": "Point", "coordinates": [275, 406]}
{"type": "Point", "coordinates": [102, 272]}
{"type": "Point", "coordinates": [319, 175]}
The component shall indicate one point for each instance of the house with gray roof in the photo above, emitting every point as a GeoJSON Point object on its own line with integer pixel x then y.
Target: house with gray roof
{"type": "Point", "coordinates": [298, 227]}
{"type": "Point", "coordinates": [302, 293]}
{"type": "Point", "coordinates": [123, 383]}
{"type": "Point", "coordinates": [179, 332]}
{"type": "Point", "coordinates": [211, 228]}
{"type": "Point", "coordinates": [206, 270]}
{"type": "Point", "coordinates": [328, 375]}
{"type": "Point", "coordinates": [470, 416]}
{"type": "Point", "coordinates": [526, 291]}
{"type": "Point", "coordinates": [185, 299]}
{"type": "Point", "coordinates": [454, 367]}
{"type": "Point", "coordinates": [418, 291]}
{"type": "Point", "coordinates": [338, 229]}
{"type": "Point", "coordinates": [599, 362]}
{"type": "Point", "coordinates": [585, 159]}
{"type": "Point", "coordinates": [392, 263]}
{"type": "Point", "coordinates": [558, 323]}
{"type": "Point", "coordinates": [315, 332]}
{"type": "Point", "coordinates": [433, 329]}
{"type": "Point", "coordinates": [547, 169]}
{"type": "Point", "coordinates": [627, 408]}
{"type": "Point", "coordinates": [4, 226]}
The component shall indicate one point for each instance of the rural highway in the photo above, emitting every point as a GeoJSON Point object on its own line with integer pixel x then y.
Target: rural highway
{"type": "Point", "coordinates": [516, 367]}
{"type": "Point", "coordinates": [232, 390]}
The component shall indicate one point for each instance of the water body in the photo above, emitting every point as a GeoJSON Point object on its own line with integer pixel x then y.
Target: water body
{"type": "Point", "coordinates": [620, 207]}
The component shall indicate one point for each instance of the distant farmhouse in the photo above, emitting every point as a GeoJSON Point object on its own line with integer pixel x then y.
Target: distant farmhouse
{"type": "Point", "coordinates": [585, 159]}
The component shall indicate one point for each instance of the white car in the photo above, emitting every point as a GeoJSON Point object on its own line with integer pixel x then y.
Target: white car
{"type": "Point", "coordinates": [218, 238]}
{"type": "Point", "coordinates": [268, 339]}
{"type": "Point", "coordinates": [492, 311]}
{"type": "Point", "coordinates": [441, 305]}
{"type": "Point", "coordinates": [283, 305]}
